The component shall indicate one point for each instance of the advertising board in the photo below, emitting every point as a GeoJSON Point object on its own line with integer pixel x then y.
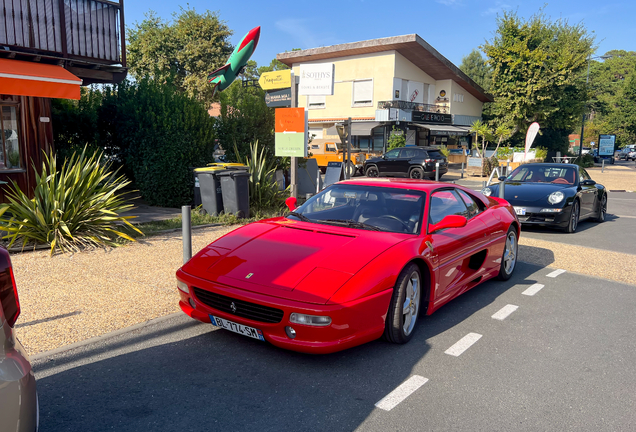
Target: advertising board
{"type": "Point", "coordinates": [606, 144]}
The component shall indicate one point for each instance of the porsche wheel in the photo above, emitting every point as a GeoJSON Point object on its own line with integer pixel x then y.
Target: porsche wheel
{"type": "Point", "coordinates": [509, 257]}
{"type": "Point", "coordinates": [602, 209]}
{"type": "Point", "coordinates": [574, 218]}
{"type": "Point", "coordinates": [405, 306]}
{"type": "Point", "coordinates": [416, 173]}
{"type": "Point", "coordinates": [372, 171]}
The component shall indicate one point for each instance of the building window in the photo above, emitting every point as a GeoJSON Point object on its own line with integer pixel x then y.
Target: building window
{"type": "Point", "coordinates": [378, 140]}
{"type": "Point", "coordinates": [363, 93]}
{"type": "Point", "coordinates": [10, 157]}
{"type": "Point", "coordinates": [316, 102]}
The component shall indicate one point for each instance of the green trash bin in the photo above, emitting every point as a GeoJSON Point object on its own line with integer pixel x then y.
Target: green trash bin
{"type": "Point", "coordinates": [209, 188]}
{"type": "Point", "coordinates": [236, 194]}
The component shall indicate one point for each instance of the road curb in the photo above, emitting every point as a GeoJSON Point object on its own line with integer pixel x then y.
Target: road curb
{"type": "Point", "coordinates": [103, 337]}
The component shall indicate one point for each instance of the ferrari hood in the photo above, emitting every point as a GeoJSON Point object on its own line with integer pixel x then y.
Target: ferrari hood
{"type": "Point", "coordinates": [282, 257]}
{"type": "Point", "coordinates": [529, 193]}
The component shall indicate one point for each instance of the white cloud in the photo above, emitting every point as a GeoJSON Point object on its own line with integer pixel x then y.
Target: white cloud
{"type": "Point", "coordinates": [499, 6]}
{"type": "Point", "coordinates": [305, 33]}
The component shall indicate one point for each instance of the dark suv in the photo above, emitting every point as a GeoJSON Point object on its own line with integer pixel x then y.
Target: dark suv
{"type": "Point", "coordinates": [413, 162]}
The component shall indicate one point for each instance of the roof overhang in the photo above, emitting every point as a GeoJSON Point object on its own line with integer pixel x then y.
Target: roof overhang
{"type": "Point", "coordinates": [412, 47]}
{"type": "Point", "coordinates": [38, 80]}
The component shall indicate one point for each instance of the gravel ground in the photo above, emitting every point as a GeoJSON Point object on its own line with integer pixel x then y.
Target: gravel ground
{"type": "Point", "coordinates": [70, 298]}
{"type": "Point", "coordinates": [615, 177]}
{"type": "Point", "coordinates": [73, 297]}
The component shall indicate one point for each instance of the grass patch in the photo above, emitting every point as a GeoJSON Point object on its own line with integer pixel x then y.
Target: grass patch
{"type": "Point", "coordinates": [199, 218]}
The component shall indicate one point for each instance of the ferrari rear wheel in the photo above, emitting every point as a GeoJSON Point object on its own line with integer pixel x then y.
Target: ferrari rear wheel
{"type": "Point", "coordinates": [602, 209]}
{"type": "Point", "coordinates": [509, 257]}
{"type": "Point", "coordinates": [574, 218]}
{"type": "Point", "coordinates": [405, 306]}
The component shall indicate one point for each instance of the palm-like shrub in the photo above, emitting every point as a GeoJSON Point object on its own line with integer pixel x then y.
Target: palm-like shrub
{"type": "Point", "coordinates": [73, 208]}
{"type": "Point", "coordinates": [263, 187]}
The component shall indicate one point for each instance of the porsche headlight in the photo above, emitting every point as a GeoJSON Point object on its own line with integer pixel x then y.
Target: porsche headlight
{"type": "Point", "coordinates": [486, 191]}
{"type": "Point", "coordinates": [556, 197]}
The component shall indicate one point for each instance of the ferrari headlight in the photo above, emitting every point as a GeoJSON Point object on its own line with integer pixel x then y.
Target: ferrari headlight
{"type": "Point", "coordinates": [182, 286]}
{"type": "Point", "coordinates": [314, 320]}
{"type": "Point", "coordinates": [556, 197]}
{"type": "Point", "coordinates": [486, 191]}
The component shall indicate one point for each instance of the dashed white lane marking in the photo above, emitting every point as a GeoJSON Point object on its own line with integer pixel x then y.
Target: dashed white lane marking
{"type": "Point", "coordinates": [533, 289]}
{"type": "Point", "coordinates": [463, 344]}
{"type": "Point", "coordinates": [404, 390]}
{"type": "Point", "coordinates": [556, 273]}
{"type": "Point", "coordinates": [503, 313]}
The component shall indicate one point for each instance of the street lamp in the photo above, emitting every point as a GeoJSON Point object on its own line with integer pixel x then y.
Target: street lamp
{"type": "Point", "coordinates": [587, 80]}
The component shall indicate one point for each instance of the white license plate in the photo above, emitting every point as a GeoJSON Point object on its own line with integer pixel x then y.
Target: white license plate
{"type": "Point", "coordinates": [237, 328]}
{"type": "Point", "coordinates": [520, 211]}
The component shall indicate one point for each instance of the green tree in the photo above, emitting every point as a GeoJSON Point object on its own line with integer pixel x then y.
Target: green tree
{"type": "Point", "coordinates": [245, 118]}
{"type": "Point", "coordinates": [183, 51]}
{"type": "Point", "coordinates": [538, 74]}
{"type": "Point", "coordinates": [475, 66]}
{"type": "Point", "coordinates": [622, 121]}
{"type": "Point", "coordinates": [274, 65]}
{"type": "Point", "coordinates": [608, 77]}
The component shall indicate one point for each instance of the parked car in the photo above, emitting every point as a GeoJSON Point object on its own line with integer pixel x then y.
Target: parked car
{"type": "Point", "coordinates": [631, 155]}
{"type": "Point", "coordinates": [325, 152]}
{"type": "Point", "coordinates": [599, 159]}
{"type": "Point", "coordinates": [18, 395]}
{"type": "Point", "coordinates": [413, 162]}
{"type": "Point", "coordinates": [553, 195]}
{"type": "Point", "coordinates": [353, 263]}
{"type": "Point", "coordinates": [627, 152]}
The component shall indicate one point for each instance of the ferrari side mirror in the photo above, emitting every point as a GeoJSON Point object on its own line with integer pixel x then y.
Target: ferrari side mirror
{"type": "Point", "coordinates": [450, 221]}
{"type": "Point", "coordinates": [291, 203]}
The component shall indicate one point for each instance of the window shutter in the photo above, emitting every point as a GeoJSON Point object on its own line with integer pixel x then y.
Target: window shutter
{"type": "Point", "coordinates": [363, 92]}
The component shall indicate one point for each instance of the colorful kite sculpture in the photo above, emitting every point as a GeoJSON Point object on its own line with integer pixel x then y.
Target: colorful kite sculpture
{"type": "Point", "coordinates": [225, 75]}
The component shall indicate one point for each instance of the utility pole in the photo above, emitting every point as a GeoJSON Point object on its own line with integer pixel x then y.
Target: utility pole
{"type": "Point", "coordinates": [294, 161]}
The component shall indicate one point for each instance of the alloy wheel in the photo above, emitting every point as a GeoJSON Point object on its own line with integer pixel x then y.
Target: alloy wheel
{"type": "Point", "coordinates": [601, 216]}
{"type": "Point", "coordinates": [510, 253]}
{"type": "Point", "coordinates": [411, 306]}
{"type": "Point", "coordinates": [575, 216]}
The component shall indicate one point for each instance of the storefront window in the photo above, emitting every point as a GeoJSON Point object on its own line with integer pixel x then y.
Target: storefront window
{"type": "Point", "coordinates": [10, 157]}
{"type": "Point", "coordinates": [378, 140]}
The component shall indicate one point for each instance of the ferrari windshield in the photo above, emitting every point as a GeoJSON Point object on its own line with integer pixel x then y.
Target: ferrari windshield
{"type": "Point", "coordinates": [532, 173]}
{"type": "Point", "coordinates": [365, 207]}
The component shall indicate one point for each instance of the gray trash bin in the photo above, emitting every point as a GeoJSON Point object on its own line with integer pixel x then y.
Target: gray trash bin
{"type": "Point", "coordinates": [210, 189]}
{"type": "Point", "coordinates": [236, 193]}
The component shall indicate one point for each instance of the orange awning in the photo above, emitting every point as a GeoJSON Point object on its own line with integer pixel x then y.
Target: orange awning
{"type": "Point", "coordinates": [39, 80]}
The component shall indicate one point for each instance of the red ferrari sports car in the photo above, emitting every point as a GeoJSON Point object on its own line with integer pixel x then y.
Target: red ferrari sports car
{"type": "Point", "coordinates": [360, 260]}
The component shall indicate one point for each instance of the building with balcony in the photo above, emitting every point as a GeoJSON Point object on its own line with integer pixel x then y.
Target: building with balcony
{"type": "Point", "coordinates": [49, 49]}
{"type": "Point", "coordinates": [397, 82]}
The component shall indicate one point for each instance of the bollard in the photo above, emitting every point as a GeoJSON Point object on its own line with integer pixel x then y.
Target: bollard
{"type": "Point", "coordinates": [436, 171]}
{"type": "Point", "coordinates": [484, 184]}
{"type": "Point", "coordinates": [462, 170]}
{"type": "Point", "coordinates": [507, 168]}
{"type": "Point", "coordinates": [186, 230]}
{"type": "Point", "coordinates": [502, 187]}
{"type": "Point", "coordinates": [318, 180]}
{"type": "Point", "coordinates": [602, 165]}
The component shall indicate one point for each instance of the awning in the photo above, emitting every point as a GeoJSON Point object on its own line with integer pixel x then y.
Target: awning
{"type": "Point", "coordinates": [444, 129]}
{"type": "Point", "coordinates": [23, 78]}
{"type": "Point", "coordinates": [357, 128]}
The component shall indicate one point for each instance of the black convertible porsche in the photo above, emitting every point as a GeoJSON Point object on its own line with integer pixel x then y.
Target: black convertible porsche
{"type": "Point", "coordinates": [553, 194]}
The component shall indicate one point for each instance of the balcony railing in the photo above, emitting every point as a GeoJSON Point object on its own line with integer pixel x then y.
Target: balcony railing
{"type": "Point", "coordinates": [82, 29]}
{"type": "Point", "coordinates": [413, 106]}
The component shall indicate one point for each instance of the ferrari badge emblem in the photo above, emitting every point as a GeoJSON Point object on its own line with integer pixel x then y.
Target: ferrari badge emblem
{"type": "Point", "coordinates": [249, 275]}
{"type": "Point", "coordinates": [233, 307]}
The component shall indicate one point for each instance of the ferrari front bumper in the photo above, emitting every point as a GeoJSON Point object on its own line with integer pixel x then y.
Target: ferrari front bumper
{"type": "Point", "coordinates": [352, 323]}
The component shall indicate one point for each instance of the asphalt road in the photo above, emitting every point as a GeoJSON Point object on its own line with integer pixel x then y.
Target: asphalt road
{"type": "Point", "coordinates": [563, 360]}
{"type": "Point", "coordinates": [617, 233]}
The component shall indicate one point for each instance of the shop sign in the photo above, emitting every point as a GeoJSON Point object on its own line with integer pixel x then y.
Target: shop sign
{"type": "Point", "coordinates": [316, 79]}
{"type": "Point", "coordinates": [290, 126]}
{"type": "Point", "coordinates": [435, 118]}
{"type": "Point", "coordinates": [275, 80]}
{"type": "Point", "coordinates": [474, 162]}
{"type": "Point", "coordinates": [606, 145]}
{"type": "Point", "coordinates": [278, 98]}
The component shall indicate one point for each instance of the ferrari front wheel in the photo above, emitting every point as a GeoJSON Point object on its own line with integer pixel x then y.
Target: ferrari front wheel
{"type": "Point", "coordinates": [405, 306]}
{"type": "Point", "coordinates": [509, 257]}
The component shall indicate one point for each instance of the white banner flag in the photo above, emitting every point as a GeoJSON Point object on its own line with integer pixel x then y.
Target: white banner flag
{"type": "Point", "coordinates": [530, 135]}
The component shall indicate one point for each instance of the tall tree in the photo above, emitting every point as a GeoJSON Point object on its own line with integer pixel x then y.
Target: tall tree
{"type": "Point", "coordinates": [183, 51]}
{"type": "Point", "coordinates": [622, 121]}
{"type": "Point", "coordinates": [538, 74]}
{"type": "Point", "coordinates": [475, 66]}
{"type": "Point", "coordinates": [608, 75]}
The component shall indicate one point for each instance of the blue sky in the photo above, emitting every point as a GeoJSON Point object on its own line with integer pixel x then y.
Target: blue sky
{"type": "Point", "coordinates": [453, 27]}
